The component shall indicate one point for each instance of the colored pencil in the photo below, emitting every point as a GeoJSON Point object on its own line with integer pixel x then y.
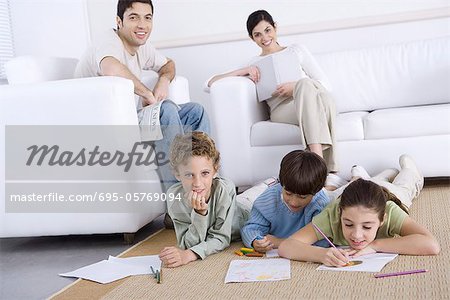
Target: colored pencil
{"type": "Point", "coordinates": [323, 234]}
{"type": "Point", "coordinates": [254, 254]}
{"type": "Point", "coordinates": [400, 273]}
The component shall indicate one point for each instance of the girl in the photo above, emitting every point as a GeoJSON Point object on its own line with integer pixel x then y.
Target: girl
{"type": "Point", "coordinates": [368, 219]}
{"type": "Point", "coordinates": [305, 103]}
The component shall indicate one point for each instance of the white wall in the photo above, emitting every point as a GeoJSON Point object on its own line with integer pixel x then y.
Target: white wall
{"type": "Point", "coordinates": [66, 27]}
{"type": "Point", "coordinates": [193, 20]}
{"type": "Point", "coordinates": [50, 27]}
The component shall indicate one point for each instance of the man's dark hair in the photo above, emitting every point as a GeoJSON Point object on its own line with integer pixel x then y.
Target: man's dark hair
{"type": "Point", "coordinates": [303, 172]}
{"type": "Point", "coordinates": [123, 5]}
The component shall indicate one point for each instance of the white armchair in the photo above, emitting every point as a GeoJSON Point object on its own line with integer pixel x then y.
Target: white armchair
{"type": "Point", "coordinates": [34, 100]}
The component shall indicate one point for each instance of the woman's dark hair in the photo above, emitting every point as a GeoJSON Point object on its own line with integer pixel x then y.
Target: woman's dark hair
{"type": "Point", "coordinates": [123, 5]}
{"type": "Point", "coordinates": [370, 195]}
{"type": "Point", "coordinates": [302, 172]}
{"type": "Point", "coordinates": [257, 16]}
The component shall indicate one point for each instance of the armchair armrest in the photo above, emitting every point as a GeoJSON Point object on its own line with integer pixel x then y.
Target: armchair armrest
{"type": "Point", "coordinates": [178, 88]}
{"type": "Point", "coordinates": [84, 101]}
{"type": "Point", "coordinates": [234, 110]}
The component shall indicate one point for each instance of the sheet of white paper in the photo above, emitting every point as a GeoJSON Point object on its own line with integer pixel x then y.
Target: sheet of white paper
{"type": "Point", "coordinates": [102, 272]}
{"type": "Point", "coordinates": [117, 268]}
{"type": "Point", "coordinates": [141, 264]}
{"type": "Point", "coordinates": [272, 269]}
{"type": "Point", "coordinates": [370, 263]}
{"type": "Point", "coordinates": [272, 253]}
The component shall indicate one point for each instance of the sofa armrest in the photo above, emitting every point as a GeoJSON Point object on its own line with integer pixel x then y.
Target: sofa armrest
{"type": "Point", "coordinates": [234, 109]}
{"type": "Point", "coordinates": [84, 101]}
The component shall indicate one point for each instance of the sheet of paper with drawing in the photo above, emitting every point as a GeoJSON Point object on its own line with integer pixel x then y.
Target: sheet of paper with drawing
{"type": "Point", "coordinates": [244, 270]}
{"type": "Point", "coordinates": [276, 69]}
{"type": "Point", "coordinates": [366, 263]}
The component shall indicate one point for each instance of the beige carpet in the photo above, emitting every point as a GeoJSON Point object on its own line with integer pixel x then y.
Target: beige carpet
{"type": "Point", "coordinates": [205, 279]}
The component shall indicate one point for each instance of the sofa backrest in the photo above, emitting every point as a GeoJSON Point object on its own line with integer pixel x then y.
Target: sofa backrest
{"type": "Point", "coordinates": [398, 75]}
{"type": "Point", "coordinates": [35, 69]}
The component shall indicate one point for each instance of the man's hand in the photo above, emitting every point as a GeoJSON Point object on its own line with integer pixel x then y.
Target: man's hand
{"type": "Point", "coordinates": [161, 90]}
{"type": "Point", "coordinates": [148, 98]}
{"type": "Point", "coordinates": [173, 257]}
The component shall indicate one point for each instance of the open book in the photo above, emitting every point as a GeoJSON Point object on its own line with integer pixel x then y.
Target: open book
{"type": "Point", "coordinates": [276, 69]}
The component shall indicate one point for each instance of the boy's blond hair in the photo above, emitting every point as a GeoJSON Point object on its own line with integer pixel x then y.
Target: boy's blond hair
{"type": "Point", "coordinates": [191, 144]}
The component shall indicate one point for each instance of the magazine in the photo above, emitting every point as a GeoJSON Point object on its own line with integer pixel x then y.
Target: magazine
{"type": "Point", "coordinates": [275, 69]}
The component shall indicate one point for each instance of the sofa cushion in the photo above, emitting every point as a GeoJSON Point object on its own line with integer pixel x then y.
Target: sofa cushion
{"type": "Point", "coordinates": [408, 122]}
{"type": "Point", "coordinates": [399, 75]}
{"type": "Point", "coordinates": [267, 133]}
{"type": "Point", "coordinates": [349, 127]}
{"type": "Point", "coordinates": [34, 69]}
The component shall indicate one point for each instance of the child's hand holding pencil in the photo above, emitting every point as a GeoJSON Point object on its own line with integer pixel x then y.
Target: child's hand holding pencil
{"type": "Point", "coordinates": [262, 244]}
{"type": "Point", "coordinates": [333, 257]}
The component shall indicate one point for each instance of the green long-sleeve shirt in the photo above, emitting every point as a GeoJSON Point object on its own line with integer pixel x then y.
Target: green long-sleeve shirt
{"type": "Point", "coordinates": [209, 234]}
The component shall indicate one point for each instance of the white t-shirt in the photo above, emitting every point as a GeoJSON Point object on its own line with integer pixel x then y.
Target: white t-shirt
{"type": "Point", "coordinates": [146, 58]}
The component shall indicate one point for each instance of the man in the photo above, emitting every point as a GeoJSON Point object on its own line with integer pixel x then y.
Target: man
{"type": "Point", "coordinates": [125, 52]}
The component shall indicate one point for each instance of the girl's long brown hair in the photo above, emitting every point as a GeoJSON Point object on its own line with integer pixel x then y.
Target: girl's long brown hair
{"type": "Point", "coordinates": [370, 195]}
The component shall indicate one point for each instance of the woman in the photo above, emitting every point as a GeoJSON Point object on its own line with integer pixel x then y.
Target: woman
{"type": "Point", "coordinates": [305, 103]}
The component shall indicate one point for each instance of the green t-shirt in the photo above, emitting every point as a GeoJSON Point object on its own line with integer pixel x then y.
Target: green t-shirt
{"type": "Point", "coordinates": [329, 222]}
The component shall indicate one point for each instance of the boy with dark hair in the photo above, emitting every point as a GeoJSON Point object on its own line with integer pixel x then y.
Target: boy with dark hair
{"type": "Point", "coordinates": [289, 205]}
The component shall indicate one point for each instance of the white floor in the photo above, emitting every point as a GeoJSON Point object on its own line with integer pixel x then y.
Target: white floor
{"type": "Point", "coordinates": [29, 267]}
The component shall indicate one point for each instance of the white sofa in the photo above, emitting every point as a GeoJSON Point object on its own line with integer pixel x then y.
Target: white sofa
{"type": "Point", "coordinates": [33, 100]}
{"type": "Point", "coordinates": [390, 100]}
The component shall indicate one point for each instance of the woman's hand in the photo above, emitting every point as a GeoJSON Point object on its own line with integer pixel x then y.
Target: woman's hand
{"type": "Point", "coordinates": [335, 257]}
{"type": "Point", "coordinates": [285, 89]}
{"type": "Point", "coordinates": [356, 253]}
{"type": "Point", "coordinates": [173, 257]}
{"type": "Point", "coordinates": [253, 73]}
{"type": "Point", "coordinates": [198, 203]}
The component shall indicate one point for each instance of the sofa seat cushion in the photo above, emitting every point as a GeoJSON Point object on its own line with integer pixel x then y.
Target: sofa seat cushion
{"type": "Point", "coordinates": [408, 122]}
{"type": "Point", "coordinates": [267, 133]}
{"type": "Point", "coordinates": [349, 127]}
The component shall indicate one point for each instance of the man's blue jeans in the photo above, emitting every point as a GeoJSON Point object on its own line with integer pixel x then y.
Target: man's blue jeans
{"type": "Point", "coordinates": [191, 117]}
